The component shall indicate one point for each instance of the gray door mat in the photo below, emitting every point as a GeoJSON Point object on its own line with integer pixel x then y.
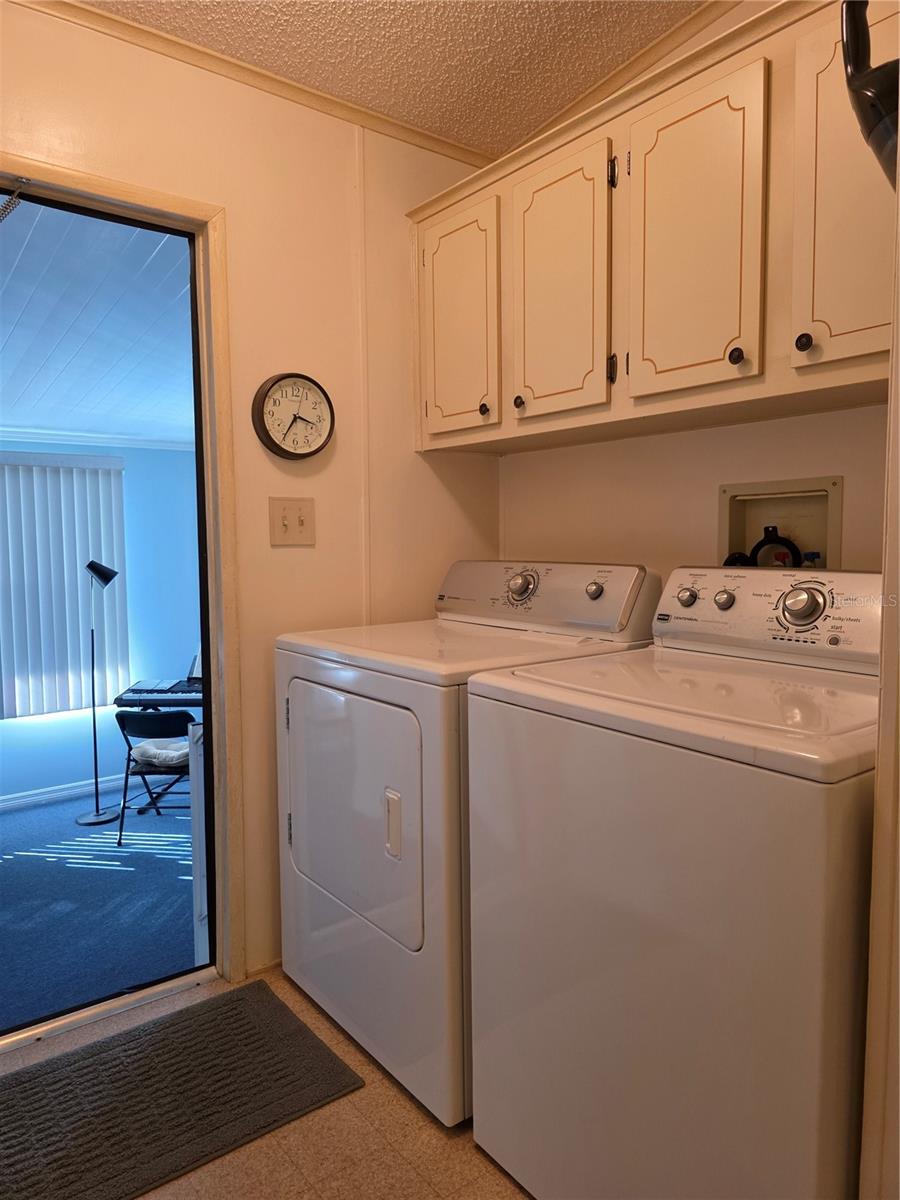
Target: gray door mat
{"type": "Point", "coordinates": [115, 1119]}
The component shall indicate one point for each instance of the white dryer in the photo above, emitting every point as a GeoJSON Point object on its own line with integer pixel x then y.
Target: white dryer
{"type": "Point", "coordinates": [372, 798]}
{"type": "Point", "coordinates": [669, 887]}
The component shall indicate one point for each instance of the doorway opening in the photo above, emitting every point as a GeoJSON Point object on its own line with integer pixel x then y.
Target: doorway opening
{"type": "Point", "coordinates": [106, 764]}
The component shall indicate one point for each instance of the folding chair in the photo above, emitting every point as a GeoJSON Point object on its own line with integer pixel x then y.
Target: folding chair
{"type": "Point", "coordinates": [136, 727]}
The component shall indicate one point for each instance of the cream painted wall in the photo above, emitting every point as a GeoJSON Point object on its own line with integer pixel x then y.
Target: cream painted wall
{"type": "Point", "coordinates": [426, 510]}
{"type": "Point", "coordinates": [318, 276]}
{"type": "Point", "coordinates": [655, 500]}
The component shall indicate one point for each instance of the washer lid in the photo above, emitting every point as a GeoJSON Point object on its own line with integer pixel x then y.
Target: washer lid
{"type": "Point", "coordinates": [440, 651]}
{"type": "Point", "coordinates": [817, 724]}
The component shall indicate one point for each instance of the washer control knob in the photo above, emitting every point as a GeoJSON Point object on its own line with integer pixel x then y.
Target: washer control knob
{"type": "Point", "coordinates": [522, 585]}
{"type": "Point", "coordinates": [594, 590]}
{"type": "Point", "coordinates": [687, 596]}
{"type": "Point", "coordinates": [803, 605]}
{"type": "Point", "coordinates": [723, 599]}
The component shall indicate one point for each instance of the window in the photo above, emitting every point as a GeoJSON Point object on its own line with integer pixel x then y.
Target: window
{"type": "Point", "coordinates": [57, 512]}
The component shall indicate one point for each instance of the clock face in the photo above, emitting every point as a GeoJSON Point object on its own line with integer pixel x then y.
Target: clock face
{"type": "Point", "coordinates": [293, 416]}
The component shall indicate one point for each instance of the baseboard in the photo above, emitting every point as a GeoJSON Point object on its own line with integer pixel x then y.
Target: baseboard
{"type": "Point", "coordinates": [257, 971]}
{"type": "Point", "coordinates": [62, 791]}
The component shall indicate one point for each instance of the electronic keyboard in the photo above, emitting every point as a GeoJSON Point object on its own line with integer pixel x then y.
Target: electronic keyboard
{"type": "Point", "coordinates": [162, 693]}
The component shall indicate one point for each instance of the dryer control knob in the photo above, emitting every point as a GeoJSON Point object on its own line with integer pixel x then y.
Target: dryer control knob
{"type": "Point", "coordinates": [803, 605]}
{"type": "Point", "coordinates": [687, 596]}
{"type": "Point", "coordinates": [723, 599]}
{"type": "Point", "coordinates": [594, 589]}
{"type": "Point", "coordinates": [522, 585]}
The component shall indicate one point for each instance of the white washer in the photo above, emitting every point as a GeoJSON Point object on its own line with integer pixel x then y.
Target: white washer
{"type": "Point", "coordinates": [669, 887]}
{"type": "Point", "coordinates": [371, 785]}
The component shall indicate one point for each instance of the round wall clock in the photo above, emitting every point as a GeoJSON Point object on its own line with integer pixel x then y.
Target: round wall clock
{"type": "Point", "coordinates": [292, 415]}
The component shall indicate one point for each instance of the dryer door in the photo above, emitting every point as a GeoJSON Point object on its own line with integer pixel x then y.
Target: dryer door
{"type": "Point", "coordinates": [356, 805]}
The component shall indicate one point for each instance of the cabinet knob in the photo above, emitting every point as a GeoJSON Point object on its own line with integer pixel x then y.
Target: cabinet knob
{"type": "Point", "coordinates": [484, 409]}
{"type": "Point", "coordinates": [804, 342]}
{"type": "Point", "coordinates": [519, 402]}
{"type": "Point", "coordinates": [735, 355]}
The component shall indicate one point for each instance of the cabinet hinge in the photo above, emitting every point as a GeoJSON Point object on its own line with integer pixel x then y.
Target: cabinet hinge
{"type": "Point", "coordinates": [628, 163]}
{"type": "Point", "coordinates": [290, 830]}
{"type": "Point", "coordinates": [612, 172]}
{"type": "Point", "coordinates": [287, 712]}
{"type": "Point", "coordinates": [612, 368]}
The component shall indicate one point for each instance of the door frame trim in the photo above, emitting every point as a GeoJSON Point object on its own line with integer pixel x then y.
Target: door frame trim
{"type": "Point", "coordinates": [207, 224]}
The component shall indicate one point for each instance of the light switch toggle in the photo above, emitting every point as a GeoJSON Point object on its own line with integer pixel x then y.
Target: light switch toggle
{"type": "Point", "coordinates": [392, 833]}
{"type": "Point", "coordinates": [292, 521]}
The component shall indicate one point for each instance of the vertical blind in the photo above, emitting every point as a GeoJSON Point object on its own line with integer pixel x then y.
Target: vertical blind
{"type": "Point", "coordinates": [57, 512]}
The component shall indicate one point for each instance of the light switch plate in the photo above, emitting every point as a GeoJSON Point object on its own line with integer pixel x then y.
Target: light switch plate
{"type": "Point", "coordinates": [292, 522]}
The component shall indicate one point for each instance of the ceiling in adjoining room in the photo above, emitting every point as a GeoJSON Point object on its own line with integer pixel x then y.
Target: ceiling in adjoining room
{"type": "Point", "coordinates": [482, 73]}
{"type": "Point", "coordinates": [95, 330]}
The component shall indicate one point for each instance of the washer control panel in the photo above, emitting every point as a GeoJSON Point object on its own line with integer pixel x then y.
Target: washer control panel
{"type": "Point", "coordinates": [832, 618]}
{"type": "Point", "coordinates": [592, 599]}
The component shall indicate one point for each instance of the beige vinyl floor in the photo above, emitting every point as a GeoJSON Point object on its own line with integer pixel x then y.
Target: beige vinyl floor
{"type": "Point", "coordinates": [375, 1144]}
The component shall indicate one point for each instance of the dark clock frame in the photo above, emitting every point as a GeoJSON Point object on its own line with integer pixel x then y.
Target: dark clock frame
{"type": "Point", "coordinates": [259, 425]}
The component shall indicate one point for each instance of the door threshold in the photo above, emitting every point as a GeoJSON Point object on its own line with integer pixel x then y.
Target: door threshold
{"type": "Point", "coordinates": [96, 1012]}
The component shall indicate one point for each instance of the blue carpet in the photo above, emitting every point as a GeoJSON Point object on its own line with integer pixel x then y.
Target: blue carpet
{"type": "Point", "coordinates": [81, 919]}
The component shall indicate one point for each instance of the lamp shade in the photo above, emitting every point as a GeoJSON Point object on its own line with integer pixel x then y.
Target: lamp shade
{"type": "Point", "coordinates": [100, 573]}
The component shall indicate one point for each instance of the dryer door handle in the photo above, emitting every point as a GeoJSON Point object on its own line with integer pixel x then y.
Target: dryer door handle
{"type": "Point", "coordinates": [392, 813]}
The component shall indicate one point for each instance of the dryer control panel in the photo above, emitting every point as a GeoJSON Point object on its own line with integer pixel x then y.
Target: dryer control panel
{"type": "Point", "coordinates": [830, 618]}
{"type": "Point", "coordinates": [593, 599]}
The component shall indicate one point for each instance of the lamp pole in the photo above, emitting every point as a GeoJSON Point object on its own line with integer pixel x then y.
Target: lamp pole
{"type": "Point", "coordinates": [100, 816]}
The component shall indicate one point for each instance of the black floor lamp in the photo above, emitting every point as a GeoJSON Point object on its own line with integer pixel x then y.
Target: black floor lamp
{"type": "Point", "coordinates": [103, 576]}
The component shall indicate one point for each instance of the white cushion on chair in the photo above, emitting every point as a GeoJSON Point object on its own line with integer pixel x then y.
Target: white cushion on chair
{"type": "Point", "coordinates": [161, 752]}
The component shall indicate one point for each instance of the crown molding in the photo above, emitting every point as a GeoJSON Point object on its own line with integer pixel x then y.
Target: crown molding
{"type": "Point", "coordinates": [741, 37]}
{"type": "Point", "coordinates": [640, 64]}
{"type": "Point", "coordinates": [265, 81]}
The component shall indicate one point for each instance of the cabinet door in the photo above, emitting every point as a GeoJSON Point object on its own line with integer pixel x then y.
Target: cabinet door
{"type": "Point", "coordinates": [560, 244]}
{"type": "Point", "coordinates": [697, 205]}
{"type": "Point", "coordinates": [844, 208]}
{"type": "Point", "coordinates": [460, 346]}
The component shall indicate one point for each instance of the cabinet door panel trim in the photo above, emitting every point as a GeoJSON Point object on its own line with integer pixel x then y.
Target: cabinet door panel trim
{"type": "Point", "coordinates": [487, 275]}
{"type": "Point", "coordinates": [526, 386]}
{"type": "Point", "coordinates": [478, 267]}
{"type": "Point", "coordinates": [698, 232]}
{"type": "Point", "coordinates": [742, 109]}
{"type": "Point", "coordinates": [843, 209]}
{"type": "Point", "coordinates": [575, 377]}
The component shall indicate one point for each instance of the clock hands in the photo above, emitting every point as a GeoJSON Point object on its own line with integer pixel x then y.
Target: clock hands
{"type": "Point", "coordinates": [298, 416]}
{"type": "Point", "coordinates": [295, 417]}
{"type": "Point", "coordinates": [290, 427]}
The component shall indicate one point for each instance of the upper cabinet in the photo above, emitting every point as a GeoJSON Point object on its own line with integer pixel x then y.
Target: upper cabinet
{"type": "Point", "coordinates": [844, 210]}
{"type": "Point", "coordinates": [697, 202]}
{"type": "Point", "coordinates": [736, 266]}
{"type": "Point", "coordinates": [460, 320]}
{"type": "Point", "coordinates": [560, 284]}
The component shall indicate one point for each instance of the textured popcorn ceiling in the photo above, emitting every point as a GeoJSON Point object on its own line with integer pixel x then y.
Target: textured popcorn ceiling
{"type": "Point", "coordinates": [483, 73]}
